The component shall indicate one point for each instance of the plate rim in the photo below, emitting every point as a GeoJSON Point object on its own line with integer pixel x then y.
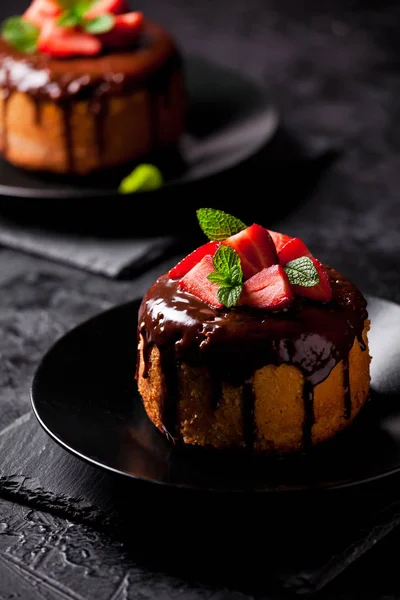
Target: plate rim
{"type": "Point", "coordinates": [274, 117]}
{"type": "Point", "coordinates": [284, 490]}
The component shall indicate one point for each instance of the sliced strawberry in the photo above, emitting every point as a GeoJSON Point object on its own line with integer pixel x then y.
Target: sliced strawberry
{"type": "Point", "coordinates": [63, 42]}
{"type": "Point", "coordinates": [269, 289]}
{"type": "Point", "coordinates": [195, 282]}
{"type": "Point", "coordinates": [125, 32]}
{"type": "Point", "coordinates": [42, 10]}
{"type": "Point", "coordinates": [279, 239]}
{"type": "Point", "coordinates": [322, 292]}
{"type": "Point", "coordinates": [186, 264]}
{"type": "Point", "coordinates": [255, 248]}
{"type": "Point", "coordinates": [101, 7]}
{"type": "Point", "coordinates": [294, 248]}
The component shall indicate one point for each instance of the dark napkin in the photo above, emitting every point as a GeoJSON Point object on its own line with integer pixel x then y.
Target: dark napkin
{"type": "Point", "coordinates": [248, 543]}
{"type": "Point", "coordinates": [113, 257]}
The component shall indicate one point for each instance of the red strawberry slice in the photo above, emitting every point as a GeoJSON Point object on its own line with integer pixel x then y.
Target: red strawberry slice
{"type": "Point", "coordinates": [186, 264]}
{"type": "Point", "coordinates": [322, 292]}
{"type": "Point", "coordinates": [269, 289]}
{"type": "Point", "coordinates": [195, 282]}
{"type": "Point", "coordinates": [255, 248]}
{"type": "Point", "coordinates": [125, 32]}
{"type": "Point", "coordinates": [42, 10]}
{"type": "Point", "coordinates": [279, 239]}
{"type": "Point", "coordinates": [101, 7]}
{"type": "Point", "coordinates": [63, 42]}
{"type": "Point", "coordinates": [294, 248]}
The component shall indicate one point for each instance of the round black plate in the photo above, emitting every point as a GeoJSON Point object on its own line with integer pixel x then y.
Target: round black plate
{"type": "Point", "coordinates": [85, 397]}
{"type": "Point", "coordinates": [230, 119]}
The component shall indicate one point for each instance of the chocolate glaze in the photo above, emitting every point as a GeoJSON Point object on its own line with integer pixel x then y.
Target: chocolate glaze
{"type": "Point", "coordinates": [311, 336]}
{"type": "Point", "coordinates": [64, 81]}
{"type": "Point", "coordinates": [346, 385]}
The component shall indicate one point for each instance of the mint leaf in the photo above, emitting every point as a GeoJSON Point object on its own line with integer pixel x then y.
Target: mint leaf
{"type": "Point", "coordinates": [100, 24]}
{"type": "Point", "coordinates": [69, 18]}
{"type": "Point", "coordinates": [21, 34]}
{"type": "Point", "coordinates": [81, 5]}
{"type": "Point", "coordinates": [218, 225]}
{"type": "Point", "coordinates": [229, 296]}
{"type": "Point", "coordinates": [302, 271]}
{"type": "Point", "coordinates": [144, 178]}
{"type": "Point", "coordinates": [216, 278]}
{"type": "Point", "coordinates": [228, 275]}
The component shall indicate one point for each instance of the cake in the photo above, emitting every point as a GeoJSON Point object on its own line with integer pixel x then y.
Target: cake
{"type": "Point", "coordinates": [250, 342]}
{"type": "Point", "coordinates": [99, 94]}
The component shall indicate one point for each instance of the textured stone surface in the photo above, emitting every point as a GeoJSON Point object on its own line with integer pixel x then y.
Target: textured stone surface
{"type": "Point", "coordinates": [333, 68]}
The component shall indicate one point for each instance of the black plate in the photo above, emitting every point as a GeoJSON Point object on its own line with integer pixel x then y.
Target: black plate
{"type": "Point", "coordinates": [85, 397]}
{"type": "Point", "coordinates": [230, 119]}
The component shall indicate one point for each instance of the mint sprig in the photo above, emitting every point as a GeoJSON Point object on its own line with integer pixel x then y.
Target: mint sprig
{"type": "Point", "coordinates": [21, 34]}
{"type": "Point", "coordinates": [302, 271]}
{"type": "Point", "coordinates": [228, 275]}
{"type": "Point", "coordinates": [218, 225]}
{"type": "Point", "coordinates": [74, 16]}
{"type": "Point", "coordinates": [145, 178]}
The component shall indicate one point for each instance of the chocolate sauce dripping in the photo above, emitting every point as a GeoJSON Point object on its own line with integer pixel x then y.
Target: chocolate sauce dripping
{"type": "Point", "coordinates": [170, 394]}
{"type": "Point", "coordinates": [98, 108]}
{"type": "Point", "coordinates": [6, 97]}
{"type": "Point", "coordinates": [69, 148]}
{"type": "Point", "coordinates": [38, 110]}
{"type": "Point", "coordinates": [309, 417]}
{"type": "Point", "coordinates": [216, 391]}
{"type": "Point", "coordinates": [249, 428]}
{"type": "Point", "coordinates": [347, 391]}
{"type": "Point", "coordinates": [361, 342]}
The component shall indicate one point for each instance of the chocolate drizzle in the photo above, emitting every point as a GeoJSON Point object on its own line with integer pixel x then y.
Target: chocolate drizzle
{"type": "Point", "coordinates": [346, 385]}
{"type": "Point", "coordinates": [234, 343]}
{"type": "Point", "coordinates": [309, 417]}
{"type": "Point", "coordinates": [150, 65]}
{"type": "Point", "coordinates": [248, 414]}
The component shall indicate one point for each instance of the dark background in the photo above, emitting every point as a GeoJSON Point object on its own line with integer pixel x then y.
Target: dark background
{"type": "Point", "coordinates": [333, 68]}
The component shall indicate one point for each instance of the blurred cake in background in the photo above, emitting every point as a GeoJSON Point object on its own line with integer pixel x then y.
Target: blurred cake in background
{"type": "Point", "coordinates": [87, 85]}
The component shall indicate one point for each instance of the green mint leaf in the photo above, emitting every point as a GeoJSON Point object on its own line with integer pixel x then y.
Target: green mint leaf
{"type": "Point", "coordinates": [216, 278]}
{"type": "Point", "coordinates": [229, 296]}
{"type": "Point", "coordinates": [144, 178]}
{"type": "Point", "coordinates": [226, 260]}
{"type": "Point", "coordinates": [21, 34]}
{"type": "Point", "coordinates": [81, 5]}
{"type": "Point", "coordinates": [302, 271]}
{"type": "Point", "coordinates": [228, 275]}
{"type": "Point", "coordinates": [100, 24]}
{"type": "Point", "coordinates": [218, 225]}
{"type": "Point", "coordinates": [69, 18]}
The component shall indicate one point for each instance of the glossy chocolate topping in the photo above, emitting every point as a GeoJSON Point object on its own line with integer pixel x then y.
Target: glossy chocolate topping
{"type": "Point", "coordinates": [233, 343]}
{"type": "Point", "coordinates": [64, 81]}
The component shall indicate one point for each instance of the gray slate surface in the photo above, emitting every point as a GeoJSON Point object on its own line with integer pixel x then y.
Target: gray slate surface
{"type": "Point", "coordinates": [333, 67]}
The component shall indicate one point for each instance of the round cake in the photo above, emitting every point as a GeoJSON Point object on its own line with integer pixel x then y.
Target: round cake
{"type": "Point", "coordinates": [82, 102]}
{"type": "Point", "coordinates": [285, 368]}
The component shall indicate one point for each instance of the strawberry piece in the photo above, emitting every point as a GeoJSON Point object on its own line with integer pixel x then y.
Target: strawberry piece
{"type": "Point", "coordinates": [42, 10]}
{"type": "Point", "coordinates": [63, 42]}
{"type": "Point", "coordinates": [322, 292]}
{"type": "Point", "coordinates": [279, 239]}
{"type": "Point", "coordinates": [195, 282]}
{"type": "Point", "coordinates": [269, 289]}
{"type": "Point", "coordinates": [294, 248]}
{"type": "Point", "coordinates": [115, 7]}
{"type": "Point", "coordinates": [126, 30]}
{"type": "Point", "coordinates": [255, 248]}
{"type": "Point", "coordinates": [186, 264]}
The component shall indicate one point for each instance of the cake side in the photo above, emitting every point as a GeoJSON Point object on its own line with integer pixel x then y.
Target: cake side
{"type": "Point", "coordinates": [279, 412]}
